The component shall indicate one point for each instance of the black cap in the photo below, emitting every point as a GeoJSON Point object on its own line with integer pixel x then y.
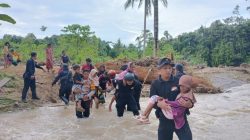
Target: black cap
{"type": "Point", "coordinates": [165, 61]}
{"type": "Point", "coordinates": [129, 76]}
{"type": "Point", "coordinates": [179, 67]}
{"type": "Point", "coordinates": [33, 54]}
{"type": "Point", "coordinates": [75, 67]}
{"type": "Point", "coordinates": [124, 67]}
{"type": "Point", "coordinates": [88, 60]}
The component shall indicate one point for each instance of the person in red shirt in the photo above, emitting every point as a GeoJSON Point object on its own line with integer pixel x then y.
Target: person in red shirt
{"type": "Point", "coordinates": [49, 57]}
{"type": "Point", "coordinates": [88, 66]}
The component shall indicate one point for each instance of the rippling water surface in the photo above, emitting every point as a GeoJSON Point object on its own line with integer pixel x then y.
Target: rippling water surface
{"type": "Point", "coordinates": [223, 116]}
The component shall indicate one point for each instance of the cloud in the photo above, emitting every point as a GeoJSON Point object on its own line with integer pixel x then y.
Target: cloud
{"type": "Point", "coordinates": [108, 18]}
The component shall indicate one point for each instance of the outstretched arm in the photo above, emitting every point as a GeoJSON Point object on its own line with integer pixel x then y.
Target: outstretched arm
{"type": "Point", "coordinates": [38, 66]}
{"type": "Point", "coordinates": [56, 79]}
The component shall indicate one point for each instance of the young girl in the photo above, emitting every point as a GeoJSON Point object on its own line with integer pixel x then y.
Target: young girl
{"type": "Point", "coordinates": [94, 86]}
{"type": "Point", "coordinates": [103, 83]}
{"type": "Point", "coordinates": [175, 112]}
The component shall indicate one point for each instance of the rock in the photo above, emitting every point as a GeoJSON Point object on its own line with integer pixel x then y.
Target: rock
{"type": "Point", "coordinates": [245, 65]}
{"type": "Point", "coordinates": [52, 100]}
{"type": "Point", "coordinates": [200, 66]}
{"type": "Point", "coordinates": [221, 66]}
{"type": "Point", "coordinates": [16, 104]}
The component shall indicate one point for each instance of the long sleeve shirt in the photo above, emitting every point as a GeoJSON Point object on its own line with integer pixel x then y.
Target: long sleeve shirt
{"type": "Point", "coordinates": [30, 69]}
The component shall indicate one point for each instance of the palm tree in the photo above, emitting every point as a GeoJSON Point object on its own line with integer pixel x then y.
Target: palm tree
{"type": "Point", "coordinates": [156, 24]}
{"type": "Point", "coordinates": [147, 12]}
{"type": "Point", "coordinates": [5, 17]}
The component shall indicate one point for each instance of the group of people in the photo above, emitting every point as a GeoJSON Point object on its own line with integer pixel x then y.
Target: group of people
{"type": "Point", "coordinates": [170, 95]}
{"type": "Point", "coordinates": [11, 57]}
{"type": "Point", "coordinates": [90, 85]}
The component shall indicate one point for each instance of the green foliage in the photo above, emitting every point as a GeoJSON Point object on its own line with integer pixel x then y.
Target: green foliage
{"type": "Point", "coordinates": [4, 5]}
{"type": "Point", "coordinates": [223, 43]}
{"type": "Point", "coordinates": [5, 17]}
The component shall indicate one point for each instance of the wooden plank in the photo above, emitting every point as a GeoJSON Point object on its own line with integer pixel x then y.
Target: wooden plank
{"type": "Point", "coordinates": [4, 81]}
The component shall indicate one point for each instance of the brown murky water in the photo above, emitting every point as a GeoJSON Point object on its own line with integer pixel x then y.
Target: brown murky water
{"type": "Point", "coordinates": [223, 116]}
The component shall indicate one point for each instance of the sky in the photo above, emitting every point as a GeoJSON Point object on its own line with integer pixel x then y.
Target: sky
{"type": "Point", "coordinates": [108, 18]}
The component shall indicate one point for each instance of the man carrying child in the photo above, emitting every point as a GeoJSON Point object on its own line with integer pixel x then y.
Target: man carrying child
{"type": "Point", "coordinates": [81, 90]}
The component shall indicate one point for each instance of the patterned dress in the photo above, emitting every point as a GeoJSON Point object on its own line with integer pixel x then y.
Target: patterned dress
{"type": "Point", "coordinates": [49, 58]}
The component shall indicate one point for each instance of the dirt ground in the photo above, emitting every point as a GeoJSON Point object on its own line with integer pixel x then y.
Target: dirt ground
{"type": "Point", "coordinates": [13, 89]}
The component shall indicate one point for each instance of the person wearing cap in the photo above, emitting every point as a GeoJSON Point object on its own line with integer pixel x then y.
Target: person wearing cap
{"type": "Point", "coordinates": [64, 58]}
{"type": "Point", "coordinates": [137, 94]}
{"type": "Point", "coordinates": [125, 90]}
{"type": "Point", "coordinates": [88, 66]}
{"type": "Point", "coordinates": [29, 77]}
{"type": "Point", "coordinates": [179, 71]}
{"type": "Point", "coordinates": [166, 86]}
{"type": "Point", "coordinates": [66, 83]}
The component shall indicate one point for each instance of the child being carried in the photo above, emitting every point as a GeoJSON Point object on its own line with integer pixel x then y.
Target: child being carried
{"type": "Point", "coordinates": [81, 88]}
{"type": "Point", "coordinates": [175, 111]}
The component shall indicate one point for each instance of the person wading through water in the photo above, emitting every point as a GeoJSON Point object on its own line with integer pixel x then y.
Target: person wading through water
{"type": "Point", "coordinates": [125, 89]}
{"type": "Point", "coordinates": [166, 86]}
{"type": "Point", "coordinates": [66, 83]}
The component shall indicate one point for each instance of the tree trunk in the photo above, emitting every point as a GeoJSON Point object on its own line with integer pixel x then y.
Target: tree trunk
{"type": "Point", "coordinates": [155, 27]}
{"type": "Point", "coordinates": [77, 46]}
{"type": "Point", "coordinates": [145, 25]}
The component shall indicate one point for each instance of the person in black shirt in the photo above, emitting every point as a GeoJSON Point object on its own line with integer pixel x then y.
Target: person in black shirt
{"type": "Point", "coordinates": [166, 86]}
{"type": "Point", "coordinates": [66, 82]}
{"type": "Point", "coordinates": [64, 58]}
{"type": "Point", "coordinates": [125, 90]}
{"type": "Point", "coordinates": [29, 77]}
{"type": "Point", "coordinates": [179, 71]}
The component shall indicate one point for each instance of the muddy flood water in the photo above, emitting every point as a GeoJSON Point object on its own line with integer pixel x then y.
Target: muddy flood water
{"type": "Point", "coordinates": [223, 116]}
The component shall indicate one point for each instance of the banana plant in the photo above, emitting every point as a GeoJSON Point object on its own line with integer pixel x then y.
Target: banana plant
{"type": "Point", "coordinates": [5, 17]}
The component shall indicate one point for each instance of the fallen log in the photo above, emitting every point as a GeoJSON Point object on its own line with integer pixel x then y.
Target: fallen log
{"type": "Point", "coordinates": [4, 81]}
